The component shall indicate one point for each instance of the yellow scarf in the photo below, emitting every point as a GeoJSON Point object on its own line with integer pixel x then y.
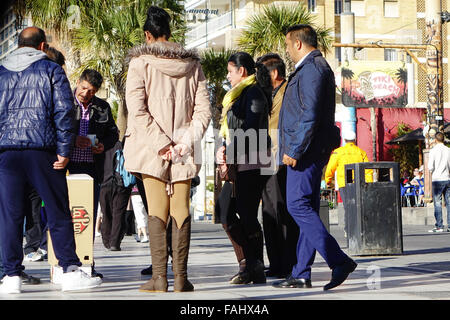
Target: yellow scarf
{"type": "Point", "coordinates": [230, 97]}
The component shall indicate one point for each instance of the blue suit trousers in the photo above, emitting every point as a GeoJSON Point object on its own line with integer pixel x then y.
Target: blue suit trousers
{"type": "Point", "coordinates": [303, 202]}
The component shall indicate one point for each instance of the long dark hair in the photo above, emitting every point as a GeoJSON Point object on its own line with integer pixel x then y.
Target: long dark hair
{"type": "Point", "coordinates": [158, 22]}
{"type": "Point", "coordinates": [243, 59]}
{"type": "Point", "coordinates": [263, 79]}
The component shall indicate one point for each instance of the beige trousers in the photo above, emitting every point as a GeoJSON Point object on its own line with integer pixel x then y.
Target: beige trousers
{"type": "Point", "coordinates": [160, 204]}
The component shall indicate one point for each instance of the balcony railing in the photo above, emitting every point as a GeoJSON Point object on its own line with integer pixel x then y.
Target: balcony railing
{"type": "Point", "coordinates": [209, 26]}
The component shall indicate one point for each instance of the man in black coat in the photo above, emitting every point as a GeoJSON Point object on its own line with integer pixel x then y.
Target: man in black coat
{"type": "Point", "coordinates": [93, 116]}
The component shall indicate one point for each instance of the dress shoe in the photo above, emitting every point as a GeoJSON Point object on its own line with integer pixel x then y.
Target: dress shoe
{"type": "Point", "coordinates": [291, 282]}
{"type": "Point", "coordinates": [340, 274]}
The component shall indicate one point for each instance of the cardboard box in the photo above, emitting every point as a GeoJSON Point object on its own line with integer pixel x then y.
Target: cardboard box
{"type": "Point", "coordinates": [81, 203]}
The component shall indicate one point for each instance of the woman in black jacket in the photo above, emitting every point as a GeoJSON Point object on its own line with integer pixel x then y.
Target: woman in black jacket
{"type": "Point", "coordinates": [246, 150]}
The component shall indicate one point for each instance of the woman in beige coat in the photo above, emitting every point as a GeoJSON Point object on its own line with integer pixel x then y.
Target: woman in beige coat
{"type": "Point", "coordinates": [168, 113]}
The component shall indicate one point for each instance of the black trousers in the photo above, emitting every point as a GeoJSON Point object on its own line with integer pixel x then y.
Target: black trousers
{"type": "Point", "coordinates": [280, 230]}
{"type": "Point", "coordinates": [114, 201]}
{"type": "Point", "coordinates": [249, 188]}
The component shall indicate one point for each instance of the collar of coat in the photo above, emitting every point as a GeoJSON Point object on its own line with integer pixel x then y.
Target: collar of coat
{"type": "Point", "coordinates": [308, 59]}
{"type": "Point", "coordinates": [167, 49]}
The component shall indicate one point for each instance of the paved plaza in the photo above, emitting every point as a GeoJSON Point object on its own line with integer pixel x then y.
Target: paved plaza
{"type": "Point", "coordinates": [422, 272]}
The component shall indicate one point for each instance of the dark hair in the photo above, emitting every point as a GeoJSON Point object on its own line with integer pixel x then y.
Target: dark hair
{"type": "Point", "coordinates": [305, 33]}
{"type": "Point", "coordinates": [243, 59]}
{"type": "Point", "coordinates": [273, 61]}
{"type": "Point", "coordinates": [158, 22]}
{"type": "Point", "coordinates": [93, 77]}
{"type": "Point", "coordinates": [439, 136]}
{"type": "Point", "coordinates": [31, 38]}
{"type": "Point", "coordinates": [265, 82]}
{"type": "Point", "coordinates": [55, 56]}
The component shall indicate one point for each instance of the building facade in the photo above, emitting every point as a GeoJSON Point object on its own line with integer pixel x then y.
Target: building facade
{"type": "Point", "coordinates": [218, 23]}
{"type": "Point", "coordinates": [9, 31]}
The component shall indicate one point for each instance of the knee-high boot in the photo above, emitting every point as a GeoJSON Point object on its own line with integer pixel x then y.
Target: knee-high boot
{"type": "Point", "coordinates": [181, 238]}
{"type": "Point", "coordinates": [158, 248]}
{"type": "Point", "coordinates": [237, 238]}
{"type": "Point", "coordinates": [255, 264]}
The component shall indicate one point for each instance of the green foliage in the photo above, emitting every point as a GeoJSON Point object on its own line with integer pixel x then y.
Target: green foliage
{"type": "Point", "coordinates": [115, 109]}
{"type": "Point", "coordinates": [210, 187]}
{"type": "Point", "coordinates": [265, 31]}
{"type": "Point", "coordinates": [214, 65]}
{"type": "Point", "coordinates": [405, 153]}
{"type": "Point", "coordinates": [107, 29]}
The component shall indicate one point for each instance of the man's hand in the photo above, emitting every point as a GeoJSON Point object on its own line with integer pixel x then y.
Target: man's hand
{"type": "Point", "coordinates": [61, 163]}
{"type": "Point", "coordinates": [99, 148]}
{"type": "Point", "coordinates": [289, 161]}
{"type": "Point", "coordinates": [82, 142]}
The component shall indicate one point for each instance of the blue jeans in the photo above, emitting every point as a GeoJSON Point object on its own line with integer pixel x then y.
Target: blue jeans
{"type": "Point", "coordinates": [440, 188]}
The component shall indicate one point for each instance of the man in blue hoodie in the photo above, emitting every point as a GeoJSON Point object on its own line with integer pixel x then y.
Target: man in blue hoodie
{"type": "Point", "coordinates": [36, 134]}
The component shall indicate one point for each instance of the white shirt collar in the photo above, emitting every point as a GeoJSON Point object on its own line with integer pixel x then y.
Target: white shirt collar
{"type": "Point", "coordinates": [301, 60]}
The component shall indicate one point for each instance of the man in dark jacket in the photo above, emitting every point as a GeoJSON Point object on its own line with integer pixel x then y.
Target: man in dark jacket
{"type": "Point", "coordinates": [306, 140]}
{"type": "Point", "coordinates": [36, 134]}
{"type": "Point", "coordinates": [93, 117]}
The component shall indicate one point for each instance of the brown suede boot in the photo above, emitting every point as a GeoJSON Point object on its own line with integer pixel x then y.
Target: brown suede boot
{"type": "Point", "coordinates": [158, 248]}
{"type": "Point", "coordinates": [180, 250]}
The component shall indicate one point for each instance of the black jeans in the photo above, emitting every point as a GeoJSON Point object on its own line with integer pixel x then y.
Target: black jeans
{"type": "Point", "coordinates": [33, 225]}
{"type": "Point", "coordinates": [249, 188]}
{"type": "Point", "coordinates": [113, 200]}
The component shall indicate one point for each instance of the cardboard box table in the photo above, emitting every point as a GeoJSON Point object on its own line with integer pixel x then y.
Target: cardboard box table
{"type": "Point", "coordinates": [81, 204]}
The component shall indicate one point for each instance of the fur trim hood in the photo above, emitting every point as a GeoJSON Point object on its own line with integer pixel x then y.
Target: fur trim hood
{"type": "Point", "coordinates": [168, 57]}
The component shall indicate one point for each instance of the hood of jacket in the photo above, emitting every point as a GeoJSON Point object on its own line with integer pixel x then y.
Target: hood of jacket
{"type": "Point", "coordinates": [168, 57]}
{"type": "Point", "coordinates": [22, 58]}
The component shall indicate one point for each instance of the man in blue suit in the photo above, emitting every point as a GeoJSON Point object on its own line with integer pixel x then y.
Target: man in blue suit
{"type": "Point", "coordinates": [307, 137]}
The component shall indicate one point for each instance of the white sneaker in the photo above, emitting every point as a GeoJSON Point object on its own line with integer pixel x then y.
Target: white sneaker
{"type": "Point", "coordinates": [76, 279]}
{"type": "Point", "coordinates": [34, 256]}
{"type": "Point", "coordinates": [436, 230]}
{"type": "Point", "coordinates": [144, 238]}
{"type": "Point", "coordinates": [11, 284]}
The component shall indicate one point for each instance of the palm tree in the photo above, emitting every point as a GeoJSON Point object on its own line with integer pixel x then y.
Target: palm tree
{"type": "Point", "coordinates": [265, 31]}
{"type": "Point", "coordinates": [214, 65]}
{"type": "Point", "coordinates": [402, 77]}
{"type": "Point", "coordinates": [348, 75]}
{"type": "Point", "coordinates": [104, 32]}
{"type": "Point", "coordinates": [106, 35]}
